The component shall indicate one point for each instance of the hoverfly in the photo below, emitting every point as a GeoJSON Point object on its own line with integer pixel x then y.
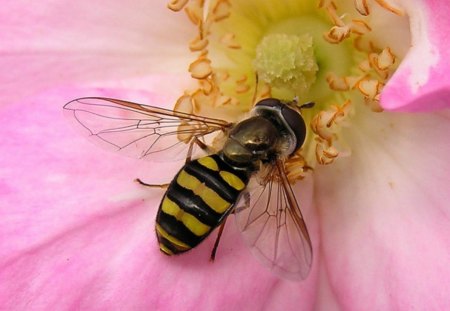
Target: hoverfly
{"type": "Point", "coordinates": [246, 177]}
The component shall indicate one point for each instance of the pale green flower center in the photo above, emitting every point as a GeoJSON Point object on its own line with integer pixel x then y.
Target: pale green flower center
{"type": "Point", "coordinates": [287, 62]}
{"type": "Point", "coordinates": [320, 51]}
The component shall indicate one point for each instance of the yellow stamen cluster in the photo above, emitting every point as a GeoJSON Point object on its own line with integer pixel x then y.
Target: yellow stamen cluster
{"type": "Point", "coordinates": [209, 81]}
{"type": "Point", "coordinates": [376, 69]}
{"type": "Point", "coordinates": [325, 125]}
{"type": "Point", "coordinates": [341, 30]}
{"type": "Point", "coordinates": [371, 65]}
{"type": "Point", "coordinates": [373, 72]}
{"type": "Point", "coordinates": [296, 167]}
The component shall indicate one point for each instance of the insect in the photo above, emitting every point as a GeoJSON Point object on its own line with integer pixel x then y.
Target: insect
{"type": "Point", "coordinates": [245, 177]}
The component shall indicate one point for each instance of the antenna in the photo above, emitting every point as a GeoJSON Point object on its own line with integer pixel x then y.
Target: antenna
{"type": "Point", "coordinates": [256, 88]}
{"type": "Point", "coordinates": [307, 105]}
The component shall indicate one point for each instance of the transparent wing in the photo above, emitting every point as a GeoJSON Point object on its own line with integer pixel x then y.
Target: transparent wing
{"type": "Point", "coordinates": [273, 226]}
{"type": "Point", "coordinates": [137, 130]}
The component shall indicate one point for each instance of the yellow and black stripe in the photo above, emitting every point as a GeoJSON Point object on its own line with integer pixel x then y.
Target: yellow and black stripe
{"type": "Point", "coordinates": [198, 199]}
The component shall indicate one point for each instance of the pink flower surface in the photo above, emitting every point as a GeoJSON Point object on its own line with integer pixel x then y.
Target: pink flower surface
{"type": "Point", "coordinates": [76, 233]}
{"type": "Point", "coordinates": [422, 82]}
{"type": "Point", "coordinates": [53, 43]}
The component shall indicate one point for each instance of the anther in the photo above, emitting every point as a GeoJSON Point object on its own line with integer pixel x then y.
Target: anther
{"type": "Point", "coordinates": [362, 7]}
{"type": "Point", "coordinates": [391, 7]}
{"type": "Point", "coordinates": [195, 12]}
{"type": "Point", "coordinates": [221, 10]}
{"type": "Point", "coordinates": [229, 40]}
{"type": "Point", "coordinates": [201, 68]}
{"type": "Point", "coordinates": [177, 5]}
{"type": "Point", "coordinates": [198, 44]}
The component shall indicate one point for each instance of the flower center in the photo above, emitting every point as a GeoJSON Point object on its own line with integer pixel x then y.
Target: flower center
{"type": "Point", "coordinates": [311, 50]}
{"type": "Point", "coordinates": [287, 62]}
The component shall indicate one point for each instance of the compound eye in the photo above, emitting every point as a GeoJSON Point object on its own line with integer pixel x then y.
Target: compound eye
{"type": "Point", "coordinates": [296, 123]}
{"type": "Point", "coordinates": [269, 102]}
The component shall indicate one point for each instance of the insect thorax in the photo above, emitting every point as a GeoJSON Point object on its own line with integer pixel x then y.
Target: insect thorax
{"type": "Point", "coordinates": [274, 131]}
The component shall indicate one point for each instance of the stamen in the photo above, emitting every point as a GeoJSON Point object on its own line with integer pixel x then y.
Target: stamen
{"type": "Point", "coordinates": [338, 33]}
{"type": "Point", "coordinates": [331, 9]}
{"type": "Point", "coordinates": [383, 61]}
{"type": "Point", "coordinates": [201, 68]}
{"type": "Point", "coordinates": [391, 7]}
{"type": "Point", "coordinates": [346, 83]}
{"type": "Point", "coordinates": [365, 66]}
{"type": "Point", "coordinates": [371, 90]}
{"type": "Point", "coordinates": [241, 85]}
{"type": "Point", "coordinates": [286, 64]}
{"type": "Point", "coordinates": [373, 104]}
{"type": "Point", "coordinates": [210, 80]}
{"type": "Point", "coordinates": [195, 12]}
{"type": "Point", "coordinates": [198, 44]}
{"type": "Point", "coordinates": [325, 3]}
{"type": "Point", "coordinates": [362, 7]}
{"type": "Point", "coordinates": [359, 27]}
{"type": "Point", "coordinates": [375, 69]}
{"type": "Point", "coordinates": [184, 104]}
{"type": "Point", "coordinates": [325, 125]}
{"type": "Point", "coordinates": [207, 86]}
{"type": "Point", "coordinates": [229, 40]}
{"type": "Point", "coordinates": [341, 30]}
{"type": "Point", "coordinates": [296, 167]}
{"type": "Point", "coordinates": [221, 76]}
{"type": "Point", "coordinates": [177, 5]}
{"type": "Point", "coordinates": [223, 100]}
{"type": "Point", "coordinates": [242, 79]}
{"type": "Point", "coordinates": [221, 10]}
{"type": "Point", "coordinates": [325, 154]}
{"type": "Point", "coordinates": [363, 45]}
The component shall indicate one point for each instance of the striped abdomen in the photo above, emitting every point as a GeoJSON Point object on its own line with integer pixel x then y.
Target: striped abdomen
{"type": "Point", "coordinates": [198, 199]}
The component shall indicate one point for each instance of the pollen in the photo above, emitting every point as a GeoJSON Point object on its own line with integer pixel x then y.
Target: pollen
{"type": "Point", "coordinates": [287, 61]}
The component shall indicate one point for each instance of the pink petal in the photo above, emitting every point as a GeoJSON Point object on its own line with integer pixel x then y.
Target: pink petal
{"type": "Point", "coordinates": [58, 42]}
{"type": "Point", "coordinates": [78, 233]}
{"type": "Point", "coordinates": [385, 214]}
{"type": "Point", "coordinates": [422, 82]}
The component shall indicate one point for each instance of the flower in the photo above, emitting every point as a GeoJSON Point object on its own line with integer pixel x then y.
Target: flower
{"type": "Point", "coordinates": [77, 233]}
{"type": "Point", "coordinates": [421, 84]}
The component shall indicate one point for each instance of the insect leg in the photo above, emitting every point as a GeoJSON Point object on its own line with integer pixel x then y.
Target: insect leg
{"type": "Point", "coordinates": [162, 186]}
{"type": "Point", "coordinates": [246, 197]}
{"type": "Point", "coordinates": [216, 244]}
